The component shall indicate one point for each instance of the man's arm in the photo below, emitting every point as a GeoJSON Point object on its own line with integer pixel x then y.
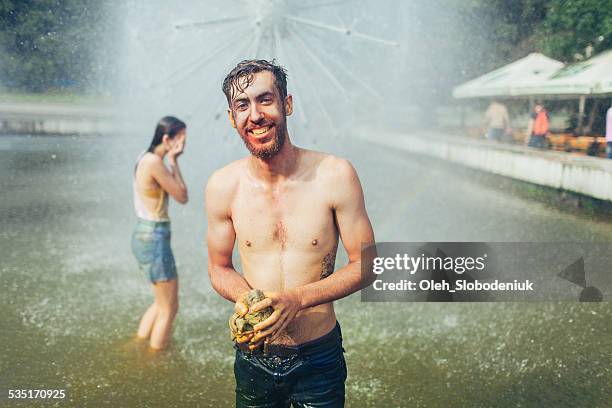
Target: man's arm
{"type": "Point", "coordinates": [354, 228]}
{"type": "Point", "coordinates": [220, 238]}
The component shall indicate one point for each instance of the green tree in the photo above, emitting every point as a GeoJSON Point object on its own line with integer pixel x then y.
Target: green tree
{"type": "Point", "coordinates": [571, 26]}
{"type": "Point", "coordinates": [496, 32]}
{"type": "Point", "coordinates": [48, 44]}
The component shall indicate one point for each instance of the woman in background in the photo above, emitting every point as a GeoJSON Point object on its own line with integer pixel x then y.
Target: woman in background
{"type": "Point", "coordinates": [152, 183]}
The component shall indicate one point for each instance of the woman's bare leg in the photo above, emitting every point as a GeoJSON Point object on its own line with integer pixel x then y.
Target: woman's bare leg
{"type": "Point", "coordinates": [166, 301]}
{"type": "Point", "coordinates": [147, 322]}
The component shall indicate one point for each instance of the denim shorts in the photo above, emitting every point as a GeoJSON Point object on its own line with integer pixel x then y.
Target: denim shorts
{"type": "Point", "coordinates": [151, 247]}
{"type": "Point", "coordinates": [313, 378]}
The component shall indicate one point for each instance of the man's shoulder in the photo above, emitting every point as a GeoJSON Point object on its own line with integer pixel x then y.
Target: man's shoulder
{"type": "Point", "coordinates": [338, 165]}
{"type": "Point", "coordinates": [331, 167]}
{"type": "Point", "coordinates": [224, 180]}
{"type": "Point", "coordinates": [337, 179]}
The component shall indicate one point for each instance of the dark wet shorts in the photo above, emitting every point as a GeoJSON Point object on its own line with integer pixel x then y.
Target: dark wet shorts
{"type": "Point", "coordinates": [309, 375]}
{"type": "Point", "coordinates": [151, 247]}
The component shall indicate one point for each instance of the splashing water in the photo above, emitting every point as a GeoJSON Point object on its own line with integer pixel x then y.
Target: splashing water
{"type": "Point", "coordinates": [176, 57]}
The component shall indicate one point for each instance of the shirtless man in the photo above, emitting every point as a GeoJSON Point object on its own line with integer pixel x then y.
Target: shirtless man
{"type": "Point", "coordinates": [285, 207]}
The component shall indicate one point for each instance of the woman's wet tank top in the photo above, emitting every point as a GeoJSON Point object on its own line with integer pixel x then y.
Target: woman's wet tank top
{"type": "Point", "coordinates": [160, 212]}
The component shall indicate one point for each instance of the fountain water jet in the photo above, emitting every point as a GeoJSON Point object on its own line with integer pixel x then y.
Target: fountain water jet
{"type": "Point", "coordinates": [327, 62]}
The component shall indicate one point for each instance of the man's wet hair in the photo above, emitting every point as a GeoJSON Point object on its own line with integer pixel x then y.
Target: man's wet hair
{"type": "Point", "coordinates": [242, 76]}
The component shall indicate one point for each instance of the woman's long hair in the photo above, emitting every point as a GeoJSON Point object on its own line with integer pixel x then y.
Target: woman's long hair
{"type": "Point", "coordinates": [168, 125]}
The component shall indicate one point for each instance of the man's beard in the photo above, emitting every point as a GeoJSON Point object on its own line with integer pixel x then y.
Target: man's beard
{"type": "Point", "coordinates": [267, 152]}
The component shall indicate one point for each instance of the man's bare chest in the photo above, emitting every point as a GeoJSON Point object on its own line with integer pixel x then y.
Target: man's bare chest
{"type": "Point", "coordinates": [288, 219]}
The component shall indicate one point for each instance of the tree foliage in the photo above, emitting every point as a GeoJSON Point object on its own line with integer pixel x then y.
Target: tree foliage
{"type": "Point", "coordinates": [54, 44]}
{"type": "Point", "coordinates": [505, 30]}
{"type": "Point", "coordinates": [48, 44]}
{"type": "Point", "coordinates": [572, 27]}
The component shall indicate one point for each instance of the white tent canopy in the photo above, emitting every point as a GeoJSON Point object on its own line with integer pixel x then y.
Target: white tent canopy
{"type": "Point", "coordinates": [604, 86]}
{"type": "Point", "coordinates": [591, 77]}
{"type": "Point", "coordinates": [503, 81]}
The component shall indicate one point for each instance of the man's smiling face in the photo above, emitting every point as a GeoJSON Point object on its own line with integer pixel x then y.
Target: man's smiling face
{"type": "Point", "coordinates": [259, 115]}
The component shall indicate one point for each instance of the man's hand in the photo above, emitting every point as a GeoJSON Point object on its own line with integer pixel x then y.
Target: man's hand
{"type": "Point", "coordinates": [241, 307]}
{"type": "Point", "coordinates": [285, 305]}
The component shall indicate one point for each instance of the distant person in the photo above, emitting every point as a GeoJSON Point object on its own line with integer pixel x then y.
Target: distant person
{"type": "Point", "coordinates": [153, 182]}
{"type": "Point", "coordinates": [609, 133]}
{"type": "Point", "coordinates": [538, 127]}
{"type": "Point", "coordinates": [497, 121]}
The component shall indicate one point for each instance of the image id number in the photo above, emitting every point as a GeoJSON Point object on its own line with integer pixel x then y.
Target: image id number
{"type": "Point", "coordinates": [34, 394]}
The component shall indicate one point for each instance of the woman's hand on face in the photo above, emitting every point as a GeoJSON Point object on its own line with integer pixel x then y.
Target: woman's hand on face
{"type": "Point", "coordinates": [177, 149]}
